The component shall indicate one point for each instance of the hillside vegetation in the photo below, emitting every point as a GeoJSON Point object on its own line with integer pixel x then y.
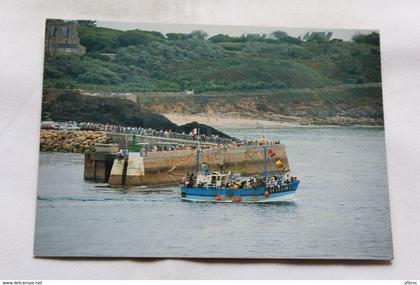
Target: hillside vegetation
{"type": "Point", "coordinates": [138, 60]}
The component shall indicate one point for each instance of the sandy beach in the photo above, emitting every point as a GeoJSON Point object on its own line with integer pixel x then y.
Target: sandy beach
{"type": "Point", "coordinates": [221, 121]}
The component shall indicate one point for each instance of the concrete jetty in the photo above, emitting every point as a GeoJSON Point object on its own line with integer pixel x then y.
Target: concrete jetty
{"type": "Point", "coordinates": [152, 170]}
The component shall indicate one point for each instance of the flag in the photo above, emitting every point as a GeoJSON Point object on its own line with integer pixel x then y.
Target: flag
{"type": "Point", "coordinates": [194, 131]}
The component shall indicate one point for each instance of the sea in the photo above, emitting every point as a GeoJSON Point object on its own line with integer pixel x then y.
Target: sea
{"type": "Point", "coordinates": [341, 209]}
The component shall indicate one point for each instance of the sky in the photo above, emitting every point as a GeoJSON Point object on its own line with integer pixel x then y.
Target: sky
{"type": "Point", "coordinates": [229, 30]}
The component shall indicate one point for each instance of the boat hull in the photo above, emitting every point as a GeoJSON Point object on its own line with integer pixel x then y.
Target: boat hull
{"type": "Point", "coordinates": [251, 195]}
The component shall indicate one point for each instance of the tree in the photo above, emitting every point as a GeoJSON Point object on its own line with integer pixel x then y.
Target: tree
{"type": "Point", "coordinates": [154, 33]}
{"type": "Point", "coordinates": [279, 34]}
{"type": "Point", "coordinates": [221, 38]}
{"type": "Point", "coordinates": [97, 39]}
{"type": "Point", "coordinates": [138, 37]}
{"type": "Point", "coordinates": [317, 39]}
{"type": "Point", "coordinates": [370, 39]}
{"type": "Point", "coordinates": [87, 23]}
{"type": "Point", "coordinates": [177, 36]}
{"type": "Point", "coordinates": [284, 37]}
{"type": "Point", "coordinates": [201, 35]}
{"type": "Point", "coordinates": [55, 21]}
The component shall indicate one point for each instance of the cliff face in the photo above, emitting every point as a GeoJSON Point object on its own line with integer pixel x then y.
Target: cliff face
{"type": "Point", "coordinates": [70, 105]}
{"type": "Point", "coordinates": [358, 104]}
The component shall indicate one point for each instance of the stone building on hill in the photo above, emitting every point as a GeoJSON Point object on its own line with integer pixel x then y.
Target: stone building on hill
{"type": "Point", "coordinates": [61, 38]}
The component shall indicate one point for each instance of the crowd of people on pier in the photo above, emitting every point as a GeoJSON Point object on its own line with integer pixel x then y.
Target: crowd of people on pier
{"type": "Point", "coordinates": [168, 133]}
{"type": "Point", "coordinates": [260, 141]}
{"type": "Point", "coordinates": [73, 125]}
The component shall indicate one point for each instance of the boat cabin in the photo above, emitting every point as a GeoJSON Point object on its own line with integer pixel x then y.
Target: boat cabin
{"type": "Point", "coordinates": [214, 179]}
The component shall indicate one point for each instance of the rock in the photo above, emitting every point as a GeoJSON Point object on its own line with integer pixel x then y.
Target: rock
{"type": "Point", "coordinates": [72, 141]}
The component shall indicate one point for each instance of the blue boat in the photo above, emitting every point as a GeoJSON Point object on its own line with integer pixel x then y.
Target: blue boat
{"type": "Point", "coordinates": [225, 187]}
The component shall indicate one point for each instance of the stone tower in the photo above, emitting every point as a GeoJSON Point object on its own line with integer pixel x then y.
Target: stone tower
{"type": "Point", "coordinates": [62, 38]}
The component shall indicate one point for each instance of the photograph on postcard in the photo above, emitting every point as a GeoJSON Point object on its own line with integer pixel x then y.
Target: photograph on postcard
{"type": "Point", "coordinates": [202, 141]}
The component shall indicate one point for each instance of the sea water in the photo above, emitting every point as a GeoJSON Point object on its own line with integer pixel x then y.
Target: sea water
{"type": "Point", "coordinates": [341, 209]}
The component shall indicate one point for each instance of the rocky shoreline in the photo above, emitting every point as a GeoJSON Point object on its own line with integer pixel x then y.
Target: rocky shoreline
{"type": "Point", "coordinates": [71, 141]}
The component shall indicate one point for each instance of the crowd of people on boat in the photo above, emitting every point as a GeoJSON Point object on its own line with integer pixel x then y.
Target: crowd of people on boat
{"type": "Point", "coordinates": [190, 180]}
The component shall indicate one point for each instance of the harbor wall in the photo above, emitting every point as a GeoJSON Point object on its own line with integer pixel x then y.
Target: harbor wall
{"type": "Point", "coordinates": [152, 170]}
{"type": "Point", "coordinates": [247, 160]}
{"type": "Point", "coordinates": [98, 166]}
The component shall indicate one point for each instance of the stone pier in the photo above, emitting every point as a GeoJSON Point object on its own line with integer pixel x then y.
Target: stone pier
{"type": "Point", "coordinates": [98, 166]}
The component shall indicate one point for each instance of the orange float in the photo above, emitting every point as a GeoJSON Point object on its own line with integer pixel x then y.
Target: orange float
{"type": "Point", "coordinates": [237, 199]}
{"type": "Point", "coordinates": [266, 193]}
{"type": "Point", "coordinates": [218, 198]}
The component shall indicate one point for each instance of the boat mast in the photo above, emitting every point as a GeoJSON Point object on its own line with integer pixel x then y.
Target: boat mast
{"type": "Point", "coordinates": [198, 153]}
{"type": "Point", "coordinates": [265, 154]}
{"type": "Point", "coordinates": [265, 159]}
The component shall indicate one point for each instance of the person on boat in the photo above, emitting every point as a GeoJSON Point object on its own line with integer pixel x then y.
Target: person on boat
{"type": "Point", "coordinates": [249, 182]}
{"type": "Point", "coordinates": [185, 180]}
{"type": "Point", "coordinates": [205, 168]}
{"type": "Point", "coordinates": [191, 179]}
